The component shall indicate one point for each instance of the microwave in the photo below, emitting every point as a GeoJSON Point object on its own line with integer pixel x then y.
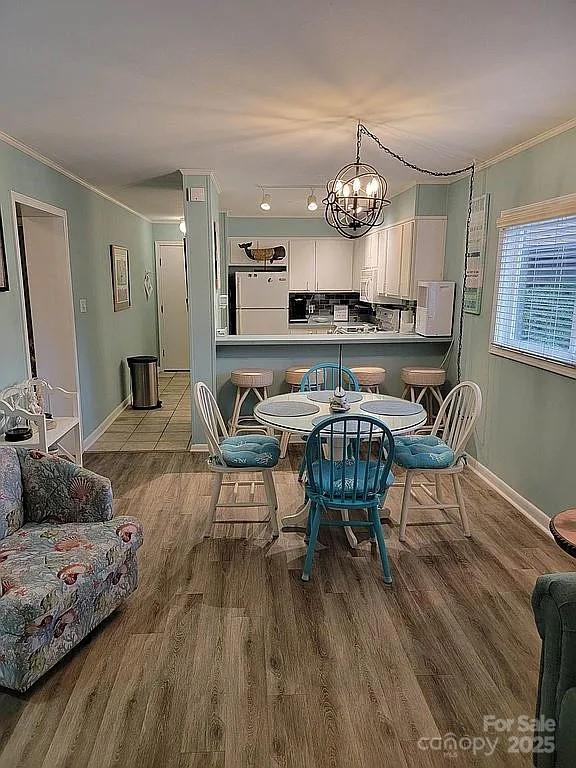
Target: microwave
{"type": "Point", "coordinates": [434, 308]}
{"type": "Point", "coordinates": [369, 284]}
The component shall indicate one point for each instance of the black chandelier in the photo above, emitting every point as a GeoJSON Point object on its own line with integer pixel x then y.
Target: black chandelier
{"type": "Point", "coordinates": [356, 199]}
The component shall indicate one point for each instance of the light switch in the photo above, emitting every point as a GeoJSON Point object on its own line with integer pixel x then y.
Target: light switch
{"type": "Point", "coordinates": [83, 305]}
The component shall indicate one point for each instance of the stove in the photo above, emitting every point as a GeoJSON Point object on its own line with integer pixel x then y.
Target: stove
{"type": "Point", "coordinates": [360, 328]}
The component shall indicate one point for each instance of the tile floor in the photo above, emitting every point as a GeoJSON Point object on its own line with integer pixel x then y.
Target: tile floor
{"type": "Point", "coordinates": [165, 429]}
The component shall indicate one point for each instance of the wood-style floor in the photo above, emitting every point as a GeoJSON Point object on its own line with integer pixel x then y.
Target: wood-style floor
{"type": "Point", "coordinates": [223, 657]}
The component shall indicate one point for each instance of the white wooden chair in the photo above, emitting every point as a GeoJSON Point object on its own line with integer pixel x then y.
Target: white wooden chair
{"type": "Point", "coordinates": [215, 431]}
{"type": "Point", "coordinates": [454, 424]}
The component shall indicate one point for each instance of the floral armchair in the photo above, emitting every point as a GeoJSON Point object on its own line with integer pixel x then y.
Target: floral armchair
{"type": "Point", "coordinates": [65, 563]}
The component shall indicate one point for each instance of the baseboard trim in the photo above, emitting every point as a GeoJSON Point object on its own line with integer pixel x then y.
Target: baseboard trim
{"type": "Point", "coordinates": [530, 511]}
{"type": "Point", "coordinates": [198, 448]}
{"type": "Point", "coordinates": [89, 441]}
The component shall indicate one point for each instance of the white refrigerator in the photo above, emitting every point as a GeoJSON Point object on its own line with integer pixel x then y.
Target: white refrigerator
{"type": "Point", "coordinates": [261, 302]}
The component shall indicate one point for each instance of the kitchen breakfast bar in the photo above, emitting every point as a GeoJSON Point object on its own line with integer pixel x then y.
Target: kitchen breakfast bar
{"type": "Point", "coordinates": [388, 350]}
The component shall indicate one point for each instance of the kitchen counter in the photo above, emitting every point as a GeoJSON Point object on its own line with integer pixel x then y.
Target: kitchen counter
{"type": "Point", "coordinates": [380, 337]}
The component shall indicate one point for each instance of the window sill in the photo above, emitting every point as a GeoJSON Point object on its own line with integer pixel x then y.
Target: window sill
{"type": "Point", "coordinates": [535, 362]}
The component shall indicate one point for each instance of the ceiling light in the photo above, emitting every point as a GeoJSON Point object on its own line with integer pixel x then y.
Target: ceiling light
{"type": "Point", "coordinates": [265, 204]}
{"type": "Point", "coordinates": [311, 202]}
{"type": "Point", "coordinates": [182, 227]}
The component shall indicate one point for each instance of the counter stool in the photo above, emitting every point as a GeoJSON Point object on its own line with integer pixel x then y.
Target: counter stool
{"type": "Point", "coordinates": [428, 381]}
{"type": "Point", "coordinates": [247, 380]}
{"type": "Point", "coordinates": [370, 377]}
{"type": "Point", "coordinates": [294, 376]}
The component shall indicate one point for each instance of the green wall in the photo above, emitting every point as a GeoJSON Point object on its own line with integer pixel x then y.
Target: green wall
{"type": "Point", "coordinates": [264, 226]}
{"type": "Point", "coordinates": [169, 231]}
{"type": "Point", "coordinates": [104, 337]}
{"type": "Point", "coordinates": [528, 422]}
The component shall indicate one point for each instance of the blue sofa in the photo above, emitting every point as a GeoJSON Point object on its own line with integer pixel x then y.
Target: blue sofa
{"type": "Point", "coordinates": [65, 563]}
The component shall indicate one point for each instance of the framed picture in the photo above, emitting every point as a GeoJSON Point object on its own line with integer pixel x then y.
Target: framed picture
{"type": "Point", "coordinates": [476, 255]}
{"type": "Point", "coordinates": [120, 277]}
{"type": "Point", "coordinates": [3, 266]}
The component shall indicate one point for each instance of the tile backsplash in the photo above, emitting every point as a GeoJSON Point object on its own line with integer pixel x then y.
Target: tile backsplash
{"type": "Point", "coordinates": [324, 304]}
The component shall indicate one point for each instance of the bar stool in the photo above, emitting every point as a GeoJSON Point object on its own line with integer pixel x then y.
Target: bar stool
{"type": "Point", "coordinates": [428, 381]}
{"type": "Point", "coordinates": [370, 377]}
{"type": "Point", "coordinates": [247, 380]}
{"type": "Point", "coordinates": [294, 375]}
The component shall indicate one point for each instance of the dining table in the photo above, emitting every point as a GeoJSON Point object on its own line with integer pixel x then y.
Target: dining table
{"type": "Point", "coordinates": [300, 412]}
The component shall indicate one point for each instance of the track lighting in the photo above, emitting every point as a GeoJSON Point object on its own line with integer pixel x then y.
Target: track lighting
{"type": "Point", "coordinates": [182, 227]}
{"type": "Point", "coordinates": [265, 204]}
{"type": "Point", "coordinates": [311, 202]}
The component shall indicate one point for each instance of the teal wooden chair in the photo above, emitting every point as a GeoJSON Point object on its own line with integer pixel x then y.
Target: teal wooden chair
{"type": "Point", "coordinates": [323, 377]}
{"type": "Point", "coordinates": [357, 482]}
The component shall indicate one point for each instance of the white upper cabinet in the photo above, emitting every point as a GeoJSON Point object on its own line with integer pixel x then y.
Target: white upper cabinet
{"type": "Point", "coordinates": [302, 267]}
{"type": "Point", "coordinates": [334, 258]}
{"type": "Point", "coordinates": [409, 253]}
{"type": "Point", "coordinates": [321, 265]}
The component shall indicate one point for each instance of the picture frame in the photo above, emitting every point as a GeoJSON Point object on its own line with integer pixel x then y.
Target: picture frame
{"type": "Point", "coordinates": [3, 263]}
{"type": "Point", "coordinates": [120, 263]}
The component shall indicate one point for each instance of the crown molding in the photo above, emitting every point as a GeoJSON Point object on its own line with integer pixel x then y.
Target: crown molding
{"type": "Point", "coordinates": [202, 172]}
{"type": "Point", "coordinates": [167, 220]}
{"type": "Point", "coordinates": [528, 144]}
{"type": "Point", "coordinates": [25, 149]}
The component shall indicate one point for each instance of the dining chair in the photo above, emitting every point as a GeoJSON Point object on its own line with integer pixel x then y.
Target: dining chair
{"type": "Point", "coordinates": [358, 481]}
{"type": "Point", "coordinates": [237, 454]}
{"type": "Point", "coordinates": [428, 453]}
{"type": "Point", "coordinates": [324, 376]}
{"type": "Point", "coordinates": [320, 378]}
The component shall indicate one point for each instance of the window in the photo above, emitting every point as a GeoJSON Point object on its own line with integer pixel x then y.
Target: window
{"type": "Point", "coordinates": [534, 317]}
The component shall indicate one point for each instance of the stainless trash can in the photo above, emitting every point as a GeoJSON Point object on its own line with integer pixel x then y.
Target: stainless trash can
{"type": "Point", "coordinates": [144, 380]}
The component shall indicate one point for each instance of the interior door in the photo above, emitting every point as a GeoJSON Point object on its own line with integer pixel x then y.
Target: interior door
{"type": "Point", "coordinates": [173, 306]}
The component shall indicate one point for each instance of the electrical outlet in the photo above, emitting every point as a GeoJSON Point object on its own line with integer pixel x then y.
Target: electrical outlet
{"type": "Point", "coordinates": [83, 305]}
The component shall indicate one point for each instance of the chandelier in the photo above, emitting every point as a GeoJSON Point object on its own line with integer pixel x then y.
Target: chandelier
{"type": "Point", "coordinates": [356, 197]}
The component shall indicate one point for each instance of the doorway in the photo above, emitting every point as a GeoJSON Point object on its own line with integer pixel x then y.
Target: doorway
{"type": "Point", "coordinates": [41, 232]}
{"type": "Point", "coordinates": [172, 296]}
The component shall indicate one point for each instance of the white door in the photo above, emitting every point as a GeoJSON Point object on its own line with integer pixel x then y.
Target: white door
{"type": "Point", "coordinates": [406, 268]}
{"type": "Point", "coordinates": [393, 260]}
{"type": "Point", "coordinates": [262, 321]}
{"type": "Point", "coordinates": [302, 265]}
{"type": "Point", "coordinates": [262, 290]}
{"type": "Point", "coordinates": [172, 306]}
{"type": "Point", "coordinates": [334, 258]}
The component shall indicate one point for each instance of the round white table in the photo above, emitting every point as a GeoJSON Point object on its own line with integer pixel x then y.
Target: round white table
{"type": "Point", "coordinates": [303, 425]}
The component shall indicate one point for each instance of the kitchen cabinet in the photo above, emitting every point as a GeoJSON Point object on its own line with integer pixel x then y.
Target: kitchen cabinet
{"type": "Point", "coordinates": [334, 264]}
{"type": "Point", "coordinates": [324, 265]}
{"type": "Point", "coordinates": [302, 267]}
{"type": "Point", "coordinates": [409, 253]}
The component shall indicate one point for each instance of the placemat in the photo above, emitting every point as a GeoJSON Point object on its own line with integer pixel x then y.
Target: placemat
{"type": "Point", "coordinates": [326, 395]}
{"type": "Point", "coordinates": [288, 408]}
{"type": "Point", "coordinates": [391, 407]}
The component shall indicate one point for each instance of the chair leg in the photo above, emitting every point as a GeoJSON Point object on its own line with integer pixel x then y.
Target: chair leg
{"type": "Point", "coordinates": [375, 519]}
{"type": "Point", "coordinates": [461, 505]}
{"type": "Point", "coordinates": [405, 503]}
{"type": "Point", "coordinates": [216, 487]}
{"type": "Point", "coordinates": [302, 469]}
{"type": "Point", "coordinates": [235, 413]}
{"type": "Point", "coordinates": [439, 491]}
{"type": "Point", "coordinates": [272, 501]}
{"type": "Point", "coordinates": [314, 526]}
{"type": "Point", "coordinates": [284, 440]}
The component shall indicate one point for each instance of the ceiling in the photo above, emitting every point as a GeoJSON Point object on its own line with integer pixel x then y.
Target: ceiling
{"type": "Point", "coordinates": [125, 93]}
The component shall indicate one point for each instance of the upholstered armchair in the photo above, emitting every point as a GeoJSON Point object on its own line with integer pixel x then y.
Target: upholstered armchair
{"type": "Point", "coordinates": [554, 604]}
{"type": "Point", "coordinates": [65, 563]}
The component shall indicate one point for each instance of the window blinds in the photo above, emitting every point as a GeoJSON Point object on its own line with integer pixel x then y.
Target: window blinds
{"type": "Point", "coordinates": [535, 311]}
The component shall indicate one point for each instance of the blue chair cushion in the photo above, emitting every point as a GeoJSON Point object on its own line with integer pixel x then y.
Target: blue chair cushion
{"type": "Point", "coordinates": [349, 472]}
{"type": "Point", "coordinates": [259, 451]}
{"type": "Point", "coordinates": [422, 452]}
